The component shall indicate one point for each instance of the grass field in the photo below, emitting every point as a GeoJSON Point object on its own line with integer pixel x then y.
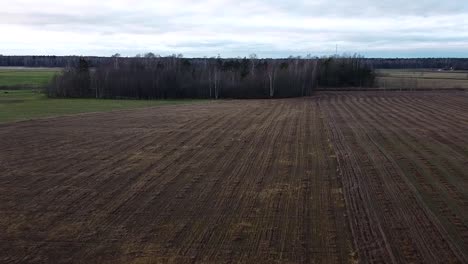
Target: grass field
{"type": "Point", "coordinates": [340, 177]}
{"type": "Point", "coordinates": [18, 105]}
{"type": "Point", "coordinates": [414, 79]}
{"type": "Point", "coordinates": [20, 78]}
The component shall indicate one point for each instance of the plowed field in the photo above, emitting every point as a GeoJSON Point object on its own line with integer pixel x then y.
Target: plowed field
{"type": "Point", "coordinates": [334, 178]}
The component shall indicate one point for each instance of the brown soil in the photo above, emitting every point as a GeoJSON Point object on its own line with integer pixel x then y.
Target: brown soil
{"type": "Point", "coordinates": [336, 178]}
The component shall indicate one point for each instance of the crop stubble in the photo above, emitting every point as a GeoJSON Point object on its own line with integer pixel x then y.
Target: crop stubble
{"type": "Point", "coordinates": [334, 178]}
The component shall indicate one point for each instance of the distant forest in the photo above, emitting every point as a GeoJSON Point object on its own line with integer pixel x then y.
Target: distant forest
{"type": "Point", "coordinates": [377, 63]}
{"type": "Point", "coordinates": [151, 77]}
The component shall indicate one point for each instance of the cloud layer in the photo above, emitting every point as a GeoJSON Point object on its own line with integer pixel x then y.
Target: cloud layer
{"type": "Point", "coordinates": [275, 28]}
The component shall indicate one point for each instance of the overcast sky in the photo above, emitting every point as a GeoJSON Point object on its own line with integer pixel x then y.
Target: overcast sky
{"type": "Point", "coordinates": [275, 28]}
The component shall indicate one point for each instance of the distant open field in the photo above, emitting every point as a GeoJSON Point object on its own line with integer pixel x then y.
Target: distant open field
{"type": "Point", "coordinates": [413, 79]}
{"type": "Point", "coordinates": [25, 78]}
{"type": "Point", "coordinates": [16, 105]}
{"type": "Point", "coordinates": [340, 177]}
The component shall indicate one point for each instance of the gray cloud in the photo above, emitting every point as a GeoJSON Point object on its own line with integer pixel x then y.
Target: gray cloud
{"type": "Point", "coordinates": [272, 28]}
{"type": "Point", "coordinates": [373, 8]}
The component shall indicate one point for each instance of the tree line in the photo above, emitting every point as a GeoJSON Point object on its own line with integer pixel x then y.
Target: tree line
{"type": "Point", "coordinates": [49, 61]}
{"type": "Point", "coordinates": [151, 77]}
{"type": "Point", "coordinates": [377, 63]}
{"type": "Point", "coordinates": [419, 63]}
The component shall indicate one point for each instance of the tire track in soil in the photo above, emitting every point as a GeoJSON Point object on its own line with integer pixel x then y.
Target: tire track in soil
{"type": "Point", "coordinates": [368, 237]}
{"type": "Point", "coordinates": [190, 186]}
{"type": "Point", "coordinates": [82, 177]}
{"type": "Point", "coordinates": [240, 182]}
{"type": "Point", "coordinates": [231, 182]}
{"type": "Point", "coordinates": [168, 186]}
{"type": "Point", "coordinates": [432, 152]}
{"type": "Point", "coordinates": [453, 216]}
{"type": "Point", "coordinates": [450, 203]}
{"type": "Point", "coordinates": [399, 138]}
{"type": "Point", "coordinates": [371, 123]}
{"type": "Point", "coordinates": [424, 108]}
{"type": "Point", "coordinates": [379, 156]}
{"type": "Point", "coordinates": [438, 127]}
